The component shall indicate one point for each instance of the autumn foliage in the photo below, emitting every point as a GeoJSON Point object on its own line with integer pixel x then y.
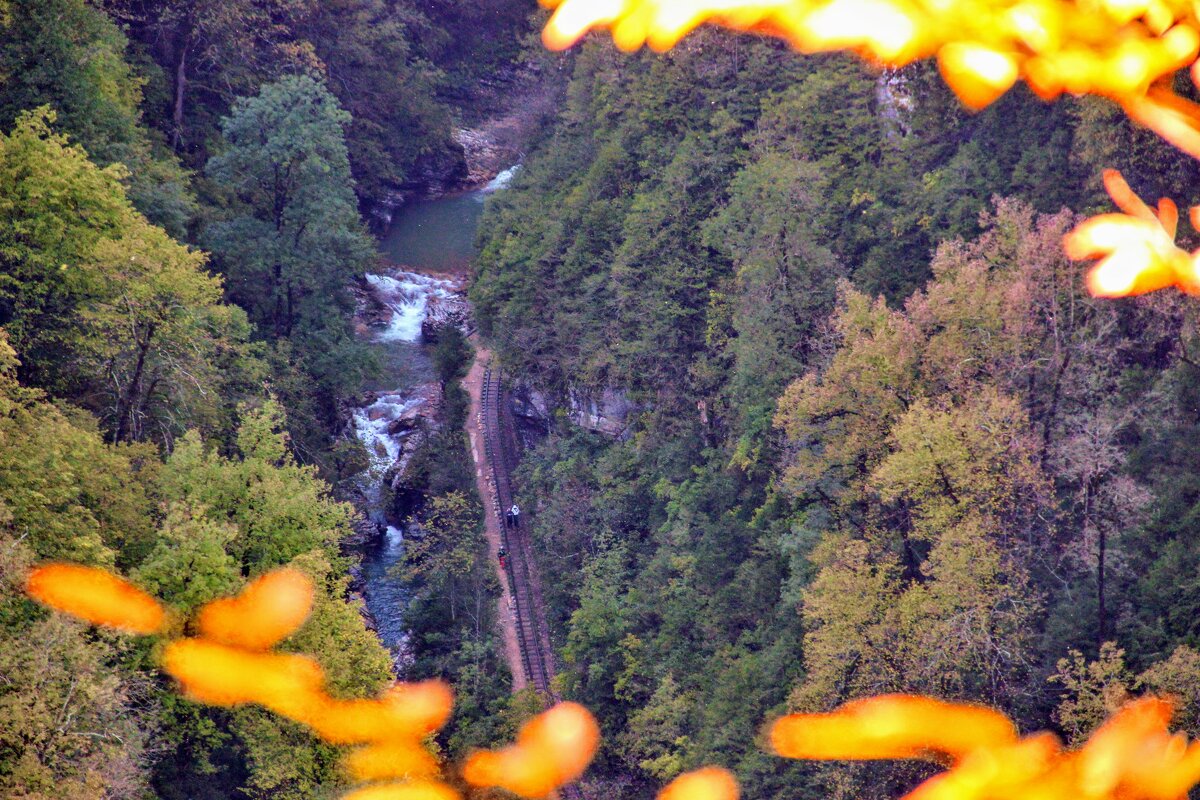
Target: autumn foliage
{"type": "Point", "coordinates": [96, 597]}
{"type": "Point", "coordinates": [1136, 247]}
{"type": "Point", "coordinates": [265, 612]}
{"type": "Point", "coordinates": [1113, 48]}
{"type": "Point", "coordinates": [708, 783]}
{"type": "Point", "coordinates": [231, 663]}
{"type": "Point", "coordinates": [551, 750]}
{"type": "Point", "coordinates": [1132, 756]}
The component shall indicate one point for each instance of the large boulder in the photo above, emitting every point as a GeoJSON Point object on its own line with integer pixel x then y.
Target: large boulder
{"type": "Point", "coordinates": [441, 312]}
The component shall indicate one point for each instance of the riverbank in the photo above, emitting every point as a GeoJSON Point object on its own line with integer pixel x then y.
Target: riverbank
{"type": "Point", "coordinates": [392, 424]}
{"type": "Point", "coordinates": [486, 148]}
{"type": "Point", "coordinates": [392, 418]}
{"type": "Point", "coordinates": [431, 581]}
{"type": "Point", "coordinates": [402, 421]}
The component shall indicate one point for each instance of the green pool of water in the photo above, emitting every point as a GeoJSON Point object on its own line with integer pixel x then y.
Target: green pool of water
{"type": "Point", "coordinates": [436, 235]}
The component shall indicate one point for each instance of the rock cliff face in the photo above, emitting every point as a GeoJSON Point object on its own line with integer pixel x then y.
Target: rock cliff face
{"type": "Point", "coordinates": [365, 531]}
{"type": "Point", "coordinates": [608, 412]}
{"type": "Point", "coordinates": [437, 174]}
{"type": "Point", "coordinates": [393, 427]}
{"type": "Point", "coordinates": [476, 156]}
{"type": "Point", "coordinates": [484, 155]}
{"type": "Point", "coordinates": [397, 310]}
{"type": "Point", "coordinates": [369, 311]}
{"type": "Point", "coordinates": [895, 102]}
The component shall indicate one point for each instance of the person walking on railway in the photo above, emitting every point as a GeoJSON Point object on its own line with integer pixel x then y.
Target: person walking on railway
{"type": "Point", "coordinates": [515, 514]}
{"type": "Point", "coordinates": [503, 556]}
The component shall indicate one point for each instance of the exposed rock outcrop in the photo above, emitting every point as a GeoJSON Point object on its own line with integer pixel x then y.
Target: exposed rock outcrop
{"type": "Point", "coordinates": [369, 311]}
{"type": "Point", "coordinates": [438, 173]}
{"type": "Point", "coordinates": [411, 428]}
{"type": "Point", "coordinates": [607, 412]}
{"type": "Point", "coordinates": [443, 311]}
{"type": "Point", "coordinates": [484, 155]}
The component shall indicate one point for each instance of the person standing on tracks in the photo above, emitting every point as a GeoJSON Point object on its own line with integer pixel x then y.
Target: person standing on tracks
{"type": "Point", "coordinates": [514, 514]}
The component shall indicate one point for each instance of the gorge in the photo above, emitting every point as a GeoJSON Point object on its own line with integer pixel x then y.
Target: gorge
{"type": "Point", "coordinates": [434, 239]}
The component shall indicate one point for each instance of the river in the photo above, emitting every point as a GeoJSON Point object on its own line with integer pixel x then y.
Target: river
{"type": "Point", "coordinates": [433, 239]}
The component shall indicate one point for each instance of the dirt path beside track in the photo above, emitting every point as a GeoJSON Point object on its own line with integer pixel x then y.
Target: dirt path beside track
{"type": "Point", "coordinates": [506, 608]}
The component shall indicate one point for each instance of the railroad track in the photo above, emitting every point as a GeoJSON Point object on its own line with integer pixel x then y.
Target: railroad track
{"type": "Point", "coordinates": [500, 443]}
{"type": "Point", "coordinates": [533, 634]}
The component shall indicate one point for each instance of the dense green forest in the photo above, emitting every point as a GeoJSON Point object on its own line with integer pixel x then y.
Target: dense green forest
{"type": "Point", "coordinates": [883, 439]}
{"type": "Point", "coordinates": [182, 194]}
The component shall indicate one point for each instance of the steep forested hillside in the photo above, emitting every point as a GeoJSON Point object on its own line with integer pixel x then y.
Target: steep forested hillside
{"type": "Point", "coordinates": [883, 440]}
{"type": "Point", "coordinates": [180, 196]}
{"type": "Point", "coordinates": [347, 99]}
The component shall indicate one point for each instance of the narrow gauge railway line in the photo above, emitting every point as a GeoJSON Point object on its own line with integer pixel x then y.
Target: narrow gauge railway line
{"type": "Point", "coordinates": [533, 634]}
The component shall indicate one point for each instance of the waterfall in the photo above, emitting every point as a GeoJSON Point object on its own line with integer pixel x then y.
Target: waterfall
{"type": "Point", "coordinates": [499, 182]}
{"type": "Point", "coordinates": [407, 294]}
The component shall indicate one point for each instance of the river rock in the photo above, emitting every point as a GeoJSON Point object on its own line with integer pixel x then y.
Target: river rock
{"type": "Point", "coordinates": [607, 412]}
{"type": "Point", "coordinates": [369, 311]}
{"type": "Point", "coordinates": [358, 599]}
{"type": "Point", "coordinates": [406, 492]}
{"type": "Point", "coordinates": [381, 210]}
{"type": "Point", "coordinates": [483, 154]}
{"type": "Point", "coordinates": [443, 311]}
{"type": "Point", "coordinates": [441, 171]}
{"type": "Point", "coordinates": [364, 531]}
{"type": "Point", "coordinates": [407, 422]}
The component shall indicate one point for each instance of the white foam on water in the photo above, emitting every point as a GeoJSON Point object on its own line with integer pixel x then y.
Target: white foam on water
{"type": "Point", "coordinates": [407, 294]}
{"type": "Point", "coordinates": [371, 427]}
{"type": "Point", "coordinates": [393, 539]}
{"type": "Point", "coordinates": [502, 180]}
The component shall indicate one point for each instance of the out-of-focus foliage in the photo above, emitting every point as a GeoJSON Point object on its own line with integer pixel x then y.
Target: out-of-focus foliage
{"type": "Point", "coordinates": [1134, 753]}
{"type": "Point", "coordinates": [81, 712]}
{"type": "Point", "coordinates": [1129, 54]}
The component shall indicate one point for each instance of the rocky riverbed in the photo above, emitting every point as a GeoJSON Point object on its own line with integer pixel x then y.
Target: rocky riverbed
{"type": "Point", "coordinates": [401, 312]}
